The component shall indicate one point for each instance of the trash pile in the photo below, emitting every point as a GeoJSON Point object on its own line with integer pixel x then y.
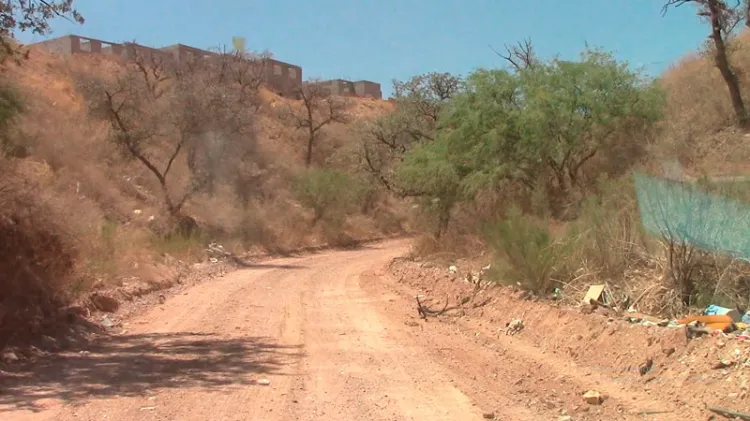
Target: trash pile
{"type": "Point", "coordinates": [715, 320]}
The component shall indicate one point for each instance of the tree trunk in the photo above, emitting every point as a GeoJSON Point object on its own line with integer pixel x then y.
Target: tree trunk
{"type": "Point", "coordinates": [308, 157]}
{"type": "Point", "coordinates": [722, 62]}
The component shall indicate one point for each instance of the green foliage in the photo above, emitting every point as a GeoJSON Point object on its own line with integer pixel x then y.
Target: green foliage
{"type": "Point", "coordinates": [426, 172]}
{"type": "Point", "coordinates": [11, 106]}
{"type": "Point", "coordinates": [330, 194]}
{"type": "Point", "coordinates": [527, 253]}
{"type": "Point", "coordinates": [188, 245]}
{"type": "Point", "coordinates": [30, 15]}
{"type": "Point", "coordinates": [384, 140]}
{"type": "Point", "coordinates": [609, 235]}
{"type": "Point", "coordinates": [510, 126]}
{"type": "Point", "coordinates": [534, 128]}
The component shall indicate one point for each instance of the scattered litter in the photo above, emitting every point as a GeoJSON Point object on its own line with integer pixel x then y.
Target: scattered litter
{"type": "Point", "coordinates": [714, 310]}
{"type": "Point", "coordinates": [148, 408]}
{"type": "Point", "coordinates": [594, 293]}
{"type": "Point", "coordinates": [214, 260]}
{"type": "Point", "coordinates": [137, 211]}
{"type": "Point", "coordinates": [452, 269]}
{"type": "Point", "coordinates": [107, 322]}
{"type": "Point", "coordinates": [264, 382]}
{"type": "Point", "coordinates": [593, 397]}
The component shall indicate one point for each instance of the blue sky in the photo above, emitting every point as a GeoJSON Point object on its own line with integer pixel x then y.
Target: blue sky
{"type": "Point", "coordinates": [386, 39]}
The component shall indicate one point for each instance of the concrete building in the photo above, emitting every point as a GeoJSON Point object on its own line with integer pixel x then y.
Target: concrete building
{"type": "Point", "coordinates": [365, 88]}
{"type": "Point", "coordinates": [361, 88]}
{"type": "Point", "coordinates": [183, 52]}
{"type": "Point", "coordinates": [74, 44]}
{"type": "Point", "coordinates": [280, 77]}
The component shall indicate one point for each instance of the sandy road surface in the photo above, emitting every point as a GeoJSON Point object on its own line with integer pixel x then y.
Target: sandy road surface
{"type": "Point", "coordinates": [335, 340]}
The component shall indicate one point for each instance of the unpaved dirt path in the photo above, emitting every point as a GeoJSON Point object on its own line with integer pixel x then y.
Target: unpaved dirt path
{"type": "Point", "coordinates": [334, 337]}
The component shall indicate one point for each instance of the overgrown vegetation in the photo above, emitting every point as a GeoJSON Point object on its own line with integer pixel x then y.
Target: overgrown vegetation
{"type": "Point", "coordinates": [536, 159]}
{"type": "Point", "coordinates": [156, 158]}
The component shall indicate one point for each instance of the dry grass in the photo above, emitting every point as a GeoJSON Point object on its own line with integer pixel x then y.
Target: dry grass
{"type": "Point", "coordinates": [698, 127]}
{"type": "Point", "coordinates": [87, 215]}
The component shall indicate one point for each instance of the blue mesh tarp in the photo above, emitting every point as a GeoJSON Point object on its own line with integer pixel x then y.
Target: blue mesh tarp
{"type": "Point", "coordinates": [685, 213]}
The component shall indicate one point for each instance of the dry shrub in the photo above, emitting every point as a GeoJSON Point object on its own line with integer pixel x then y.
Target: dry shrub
{"type": "Point", "coordinates": [36, 258]}
{"type": "Point", "coordinates": [699, 116]}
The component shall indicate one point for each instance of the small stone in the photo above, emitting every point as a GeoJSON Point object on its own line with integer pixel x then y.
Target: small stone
{"type": "Point", "coordinates": [10, 357]}
{"type": "Point", "coordinates": [488, 415]}
{"type": "Point", "coordinates": [722, 364]}
{"type": "Point", "coordinates": [104, 303]}
{"type": "Point", "coordinates": [593, 397]}
{"type": "Point", "coordinates": [264, 382]}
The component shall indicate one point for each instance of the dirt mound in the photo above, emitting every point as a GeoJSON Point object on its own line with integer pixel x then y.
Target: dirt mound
{"type": "Point", "coordinates": [611, 352]}
{"type": "Point", "coordinates": [37, 259]}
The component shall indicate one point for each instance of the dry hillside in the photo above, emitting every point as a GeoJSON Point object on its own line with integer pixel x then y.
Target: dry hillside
{"type": "Point", "coordinates": [91, 216]}
{"type": "Point", "coordinates": [698, 124]}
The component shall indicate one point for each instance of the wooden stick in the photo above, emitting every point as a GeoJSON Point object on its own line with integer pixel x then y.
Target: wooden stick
{"type": "Point", "coordinates": [727, 413]}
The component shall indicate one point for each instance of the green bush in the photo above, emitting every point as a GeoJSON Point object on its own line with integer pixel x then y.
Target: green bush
{"type": "Point", "coordinates": [11, 106]}
{"type": "Point", "coordinates": [330, 194]}
{"type": "Point", "coordinates": [527, 253]}
{"type": "Point", "coordinates": [608, 233]}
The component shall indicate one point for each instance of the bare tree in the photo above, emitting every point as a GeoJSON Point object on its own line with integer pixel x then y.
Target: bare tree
{"type": "Point", "coordinates": [520, 56]}
{"type": "Point", "coordinates": [247, 69]}
{"type": "Point", "coordinates": [317, 109]}
{"type": "Point", "coordinates": [427, 93]}
{"type": "Point", "coordinates": [31, 15]}
{"type": "Point", "coordinates": [384, 140]}
{"type": "Point", "coordinates": [159, 109]}
{"type": "Point", "coordinates": [724, 19]}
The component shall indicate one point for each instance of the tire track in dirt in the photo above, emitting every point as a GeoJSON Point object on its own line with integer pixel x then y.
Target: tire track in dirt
{"type": "Point", "coordinates": [338, 340]}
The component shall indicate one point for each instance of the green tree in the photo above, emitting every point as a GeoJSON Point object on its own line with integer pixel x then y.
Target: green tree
{"type": "Point", "coordinates": [536, 124]}
{"type": "Point", "coordinates": [553, 117]}
{"type": "Point", "coordinates": [31, 15]}
{"type": "Point", "coordinates": [419, 103]}
{"type": "Point", "coordinates": [330, 194]}
{"type": "Point", "coordinates": [428, 173]}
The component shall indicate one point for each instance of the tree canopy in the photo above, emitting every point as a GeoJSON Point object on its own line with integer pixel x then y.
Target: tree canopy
{"type": "Point", "coordinates": [530, 125]}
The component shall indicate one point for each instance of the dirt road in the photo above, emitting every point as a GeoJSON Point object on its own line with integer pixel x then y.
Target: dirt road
{"type": "Point", "coordinates": [330, 332]}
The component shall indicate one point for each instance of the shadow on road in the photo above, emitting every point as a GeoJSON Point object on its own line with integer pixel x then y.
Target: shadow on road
{"type": "Point", "coordinates": [131, 365]}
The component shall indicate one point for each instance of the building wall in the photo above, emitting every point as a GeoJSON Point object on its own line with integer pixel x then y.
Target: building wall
{"type": "Point", "coordinates": [362, 88]}
{"type": "Point", "coordinates": [365, 88]}
{"type": "Point", "coordinates": [185, 52]}
{"type": "Point", "coordinates": [74, 44]}
{"type": "Point", "coordinates": [282, 78]}
{"type": "Point", "coordinates": [132, 50]}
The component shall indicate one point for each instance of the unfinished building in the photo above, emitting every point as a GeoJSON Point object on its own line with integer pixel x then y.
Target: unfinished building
{"type": "Point", "coordinates": [360, 88]}
{"type": "Point", "coordinates": [182, 52]}
{"type": "Point", "coordinates": [280, 77]}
